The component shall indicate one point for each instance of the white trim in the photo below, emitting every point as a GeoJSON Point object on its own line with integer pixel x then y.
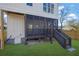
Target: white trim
{"type": "Point", "coordinates": [39, 1]}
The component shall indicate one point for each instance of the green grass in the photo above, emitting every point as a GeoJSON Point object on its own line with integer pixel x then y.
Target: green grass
{"type": "Point", "coordinates": [43, 49]}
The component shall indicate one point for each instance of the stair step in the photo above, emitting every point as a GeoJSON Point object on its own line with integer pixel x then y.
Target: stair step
{"type": "Point", "coordinates": [71, 49]}
{"type": "Point", "coordinates": [68, 46]}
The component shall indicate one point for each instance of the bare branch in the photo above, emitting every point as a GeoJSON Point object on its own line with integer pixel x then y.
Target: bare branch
{"type": "Point", "coordinates": [63, 13]}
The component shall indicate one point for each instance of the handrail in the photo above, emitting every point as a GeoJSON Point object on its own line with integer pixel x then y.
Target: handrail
{"type": "Point", "coordinates": [62, 38]}
{"type": "Point", "coordinates": [61, 35]}
{"type": "Point", "coordinates": [64, 34]}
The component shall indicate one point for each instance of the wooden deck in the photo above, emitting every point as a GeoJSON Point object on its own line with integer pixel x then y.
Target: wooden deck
{"type": "Point", "coordinates": [25, 40]}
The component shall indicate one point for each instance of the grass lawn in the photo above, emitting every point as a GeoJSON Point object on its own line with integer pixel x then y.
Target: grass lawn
{"type": "Point", "coordinates": [43, 49]}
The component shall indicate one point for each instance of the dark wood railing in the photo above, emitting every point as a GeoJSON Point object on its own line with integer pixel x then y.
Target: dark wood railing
{"type": "Point", "coordinates": [62, 38]}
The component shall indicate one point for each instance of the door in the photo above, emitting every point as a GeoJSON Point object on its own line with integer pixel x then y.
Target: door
{"type": "Point", "coordinates": [15, 27]}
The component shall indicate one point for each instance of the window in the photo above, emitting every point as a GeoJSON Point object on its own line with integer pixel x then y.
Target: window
{"type": "Point", "coordinates": [29, 4]}
{"type": "Point", "coordinates": [48, 7]}
{"type": "Point", "coordinates": [44, 6]}
{"type": "Point", "coordinates": [52, 8]}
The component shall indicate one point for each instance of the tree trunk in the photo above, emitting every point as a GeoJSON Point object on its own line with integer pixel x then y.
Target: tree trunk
{"type": "Point", "coordinates": [61, 25]}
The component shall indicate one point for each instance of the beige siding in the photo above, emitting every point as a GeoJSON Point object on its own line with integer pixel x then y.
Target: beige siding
{"type": "Point", "coordinates": [15, 27]}
{"type": "Point", "coordinates": [36, 9]}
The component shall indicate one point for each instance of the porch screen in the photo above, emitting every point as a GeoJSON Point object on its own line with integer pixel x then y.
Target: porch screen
{"type": "Point", "coordinates": [39, 26]}
{"type": "Point", "coordinates": [34, 25]}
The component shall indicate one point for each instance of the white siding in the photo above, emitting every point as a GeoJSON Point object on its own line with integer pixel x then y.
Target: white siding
{"type": "Point", "coordinates": [36, 9]}
{"type": "Point", "coordinates": [15, 27]}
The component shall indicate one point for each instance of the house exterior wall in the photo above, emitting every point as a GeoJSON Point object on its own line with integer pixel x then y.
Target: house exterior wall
{"type": "Point", "coordinates": [16, 23]}
{"type": "Point", "coordinates": [36, 9]}
{"type": "Point", "coordinates": [15, 27]}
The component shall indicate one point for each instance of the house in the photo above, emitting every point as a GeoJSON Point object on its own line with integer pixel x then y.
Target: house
{"type": "Point", "coordinates": [25, 20]}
